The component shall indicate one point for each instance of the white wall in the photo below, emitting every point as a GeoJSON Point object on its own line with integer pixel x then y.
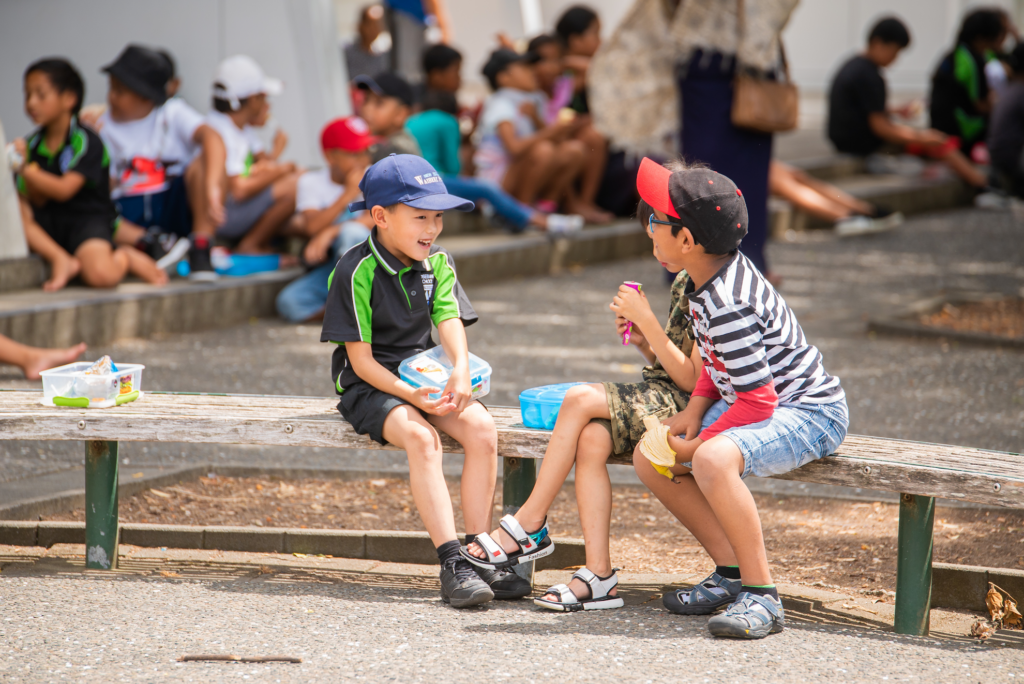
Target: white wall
{"type": "Point", "coordinates": [292, 39]}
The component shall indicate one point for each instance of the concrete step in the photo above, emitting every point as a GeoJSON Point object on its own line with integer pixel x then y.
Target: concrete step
{"type": "Point", "coordinates": [97, 317]}
{"type": "Point", "coordinates": [22, 274]}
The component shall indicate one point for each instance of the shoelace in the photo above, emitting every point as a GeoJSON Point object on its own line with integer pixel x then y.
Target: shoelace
{"type": "Point", "coordinates": [463, 570]}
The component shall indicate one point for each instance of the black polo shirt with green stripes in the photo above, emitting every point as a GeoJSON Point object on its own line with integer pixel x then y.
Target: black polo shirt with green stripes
{"type": "Point", "coordinates": [375, 298]}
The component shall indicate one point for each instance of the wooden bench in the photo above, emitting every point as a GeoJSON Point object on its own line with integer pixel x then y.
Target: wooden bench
{"type": "Point", "coordinates": [918, 472]}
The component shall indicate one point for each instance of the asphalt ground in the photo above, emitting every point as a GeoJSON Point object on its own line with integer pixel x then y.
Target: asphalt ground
{"type": "Point", "coordinates": [366, 621]}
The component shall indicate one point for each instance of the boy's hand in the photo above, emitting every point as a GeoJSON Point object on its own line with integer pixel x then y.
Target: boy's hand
{"type": "Point", "coordinates": [353, 177]}
{"type": "Point", "coordinates": [636, 337]}
{"type": "Point", "coordinates": [633, 306]}
{"type": "Point", "coordinates": [459, 388]}
{"type": "Point", "coordinates": [318, 246]}
{"type": "Point", "coordinates": [685, 424]}
{"type": "Point", "coordinates": [529, 109]}
{"type": "Point", "coordinates": [435, 407]}
{"type": "Point", "coordinates": [279, 143]}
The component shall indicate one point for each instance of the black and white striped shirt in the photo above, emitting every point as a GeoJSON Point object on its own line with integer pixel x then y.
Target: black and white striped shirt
{"type": "Point", "coordinates": [749, 337]}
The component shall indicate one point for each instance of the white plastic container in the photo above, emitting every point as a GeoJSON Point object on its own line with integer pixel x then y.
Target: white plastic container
{"type": "Point", "coordinates": [432, 369]}
{"type": "Point", "coordinates": [70, 386]}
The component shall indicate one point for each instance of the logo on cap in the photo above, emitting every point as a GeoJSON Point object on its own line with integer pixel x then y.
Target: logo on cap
{"type": "Point", "coordinates": [428, 178]}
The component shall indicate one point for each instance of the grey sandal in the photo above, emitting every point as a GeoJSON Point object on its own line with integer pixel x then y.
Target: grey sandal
{"type": "Point", "coordinates": [752, 617]}
{"type": "Point", "coordinates": [702, 599]}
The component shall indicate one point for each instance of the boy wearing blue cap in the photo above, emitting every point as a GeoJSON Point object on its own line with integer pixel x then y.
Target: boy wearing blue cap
{"type": "Point", "coordinates": [384, 294]}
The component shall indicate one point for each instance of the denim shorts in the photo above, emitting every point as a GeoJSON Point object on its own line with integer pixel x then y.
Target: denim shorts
{"type": "Point", "coordinates": [793, 437]}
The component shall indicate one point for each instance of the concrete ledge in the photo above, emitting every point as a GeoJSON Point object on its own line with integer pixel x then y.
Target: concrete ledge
{"type": "Point", "coordinates": [378, 545]}
{"type": "Point", "coordinates": [965, 586]}
{"type": "Point", "coordinates": [251, 539]}
{"type": "Point", "coordinates": [338, 543]}
{"type": "Point", "coordinates": [171, 536]}
{"type": "Point", "coordinates": [22, 274]}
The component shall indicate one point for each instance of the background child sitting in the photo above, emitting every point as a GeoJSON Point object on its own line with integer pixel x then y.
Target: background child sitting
{"type": "Point", "coordinates": [322, 202]}
{"type": "Point", "coordinates": [530, 162]}
{"type": "Point", "coordinates": [64, 182]}
{"type": "Point", "coordinates": [261, 191]}
{"type": "Point", "coordinates": [166, 165]}
{"type": "Point", "coordinates": [437, 131]}
{"type": "Point", "coordinates": [388, 104]}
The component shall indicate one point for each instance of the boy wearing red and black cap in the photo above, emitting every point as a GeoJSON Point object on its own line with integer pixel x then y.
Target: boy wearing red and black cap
{"type": "Point", "coordinates": [763, 404]}
{"type": "Point", "coordinates": [322, 215]}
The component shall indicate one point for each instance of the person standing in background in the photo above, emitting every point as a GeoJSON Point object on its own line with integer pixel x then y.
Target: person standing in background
{"type": "Point", "coordinates": [408, 21]}
{"type": "Point", "coordinates": [360, 57]}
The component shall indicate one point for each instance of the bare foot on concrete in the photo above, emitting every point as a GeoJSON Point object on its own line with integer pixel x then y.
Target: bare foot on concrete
{"type": "Point", "coordinates": [62, 270]}
{"type": "Point", "coordinates": [142, 266]}
{"type": "Point", "coordinates": [37, 359]}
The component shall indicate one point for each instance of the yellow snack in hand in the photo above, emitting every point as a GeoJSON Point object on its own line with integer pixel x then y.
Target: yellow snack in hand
{"type": "Point", "coordinates": [654, 446]}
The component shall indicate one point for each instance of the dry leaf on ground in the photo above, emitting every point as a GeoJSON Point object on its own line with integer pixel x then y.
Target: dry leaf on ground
{"type": "Point", "coordinates": [994, 603]}
{"type": "Point", "coordinates": [982, 629]}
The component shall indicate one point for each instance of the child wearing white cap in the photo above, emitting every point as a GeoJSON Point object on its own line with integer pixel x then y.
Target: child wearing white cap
{"type": "Point", "coordinates": [260, 191]}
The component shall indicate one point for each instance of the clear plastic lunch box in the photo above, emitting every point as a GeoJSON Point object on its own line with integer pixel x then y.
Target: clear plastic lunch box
{"type": "Point", "coordinates": [539, 405]}
{"type": "Point", "coordinates": [70, 386]}
{"type": "Point", "coordinates": [432, 369]}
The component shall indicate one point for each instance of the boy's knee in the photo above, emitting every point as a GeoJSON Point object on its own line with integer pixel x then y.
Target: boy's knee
{"type": "Point", "coordinates": [481, 427]}
{"type": "Point", "coordinates": [421, 441]}
{"type": "Point", "coordinates": [542, 152]}
{"type": "Point", "coordinates": [716, 459]}
{"type": "Point", "coordinates": [583, 398]}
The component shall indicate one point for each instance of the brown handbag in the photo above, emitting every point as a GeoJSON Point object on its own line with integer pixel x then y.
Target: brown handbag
{"type": "Point", "coordinates": [761, 104]}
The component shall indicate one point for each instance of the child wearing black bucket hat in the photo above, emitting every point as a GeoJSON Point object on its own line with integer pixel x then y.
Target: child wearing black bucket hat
{"type": "Point", "coordinates": [763, 404]}
{"type": "Point", "coordinates": [166, 164]}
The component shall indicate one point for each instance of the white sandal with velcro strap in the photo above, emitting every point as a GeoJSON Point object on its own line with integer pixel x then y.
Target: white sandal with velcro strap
{"type": "Point", "coordinates": [532, 545]}
{"type": "Point", "coordinates": [598, 600]}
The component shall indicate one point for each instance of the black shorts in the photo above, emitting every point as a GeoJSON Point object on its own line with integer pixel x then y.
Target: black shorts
{"type": "Point", "coordinates": [71, 230]}
{"type": "Point", "coordinates": [366, 408]}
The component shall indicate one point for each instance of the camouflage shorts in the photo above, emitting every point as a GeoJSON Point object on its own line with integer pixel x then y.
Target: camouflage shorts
{"type": "Point", "coordinates": [630, 403]}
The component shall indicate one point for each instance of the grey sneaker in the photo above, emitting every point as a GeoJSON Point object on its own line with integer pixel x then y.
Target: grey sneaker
{"type": "Point", "coordinates": [461, 586]}
{"type": "Point", "coordinates": [752, 616]}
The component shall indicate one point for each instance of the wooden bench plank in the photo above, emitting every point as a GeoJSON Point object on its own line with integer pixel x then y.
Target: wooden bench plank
{"type": "Point", "coordinates": [950, 472]}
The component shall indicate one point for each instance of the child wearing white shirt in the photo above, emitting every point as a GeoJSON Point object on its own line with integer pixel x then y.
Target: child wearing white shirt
{"type": "Point", "coordinates": [323, 216]}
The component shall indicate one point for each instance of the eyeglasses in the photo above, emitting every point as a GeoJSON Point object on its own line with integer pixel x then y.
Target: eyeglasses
{"type": "Point", "coordinates": [651, 221]}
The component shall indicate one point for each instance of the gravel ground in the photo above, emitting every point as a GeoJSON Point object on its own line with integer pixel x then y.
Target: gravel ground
{"type": "Point", "coordinates": [839, 543]}
{"type": "Point", "coordinates": [83, 628]}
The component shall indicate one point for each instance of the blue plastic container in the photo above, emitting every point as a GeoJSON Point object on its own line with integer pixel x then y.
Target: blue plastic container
{"type": "Point", "coordinates": [432, 369]}
{"type": "Point", "coordinates": [539, 405]}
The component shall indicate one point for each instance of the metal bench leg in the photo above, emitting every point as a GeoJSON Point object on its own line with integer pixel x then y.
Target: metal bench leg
{"type": "Point", "coordinates": [101, 505]}
{"type": "Point", "coordinates": [914, 564]}
{"type": "Point", "coordinates": [518, 477]}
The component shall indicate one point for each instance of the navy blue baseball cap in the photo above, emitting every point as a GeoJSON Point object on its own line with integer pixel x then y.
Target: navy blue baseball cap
{"type": "Point", "coordinates": [406, 179]}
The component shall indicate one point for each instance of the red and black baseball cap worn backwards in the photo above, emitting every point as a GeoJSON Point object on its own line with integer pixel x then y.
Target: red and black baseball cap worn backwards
{"type": "Point", "coordinates": [707, 203]}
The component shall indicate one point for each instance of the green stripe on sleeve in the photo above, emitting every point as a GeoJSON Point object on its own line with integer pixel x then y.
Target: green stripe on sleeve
{"type": "Point", "coordinates": [80, 144]}
{"type": "Point", "coordinates": [446, 305]}
{"type": "Point", "coordinates": [362, 288]}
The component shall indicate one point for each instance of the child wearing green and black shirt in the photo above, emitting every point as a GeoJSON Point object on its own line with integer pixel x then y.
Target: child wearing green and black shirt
{"type": "Point", "coordinates": [64, 185]}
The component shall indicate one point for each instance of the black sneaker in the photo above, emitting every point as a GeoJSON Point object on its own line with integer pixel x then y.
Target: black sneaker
{"type": "Point", "coordinates": [505, 584]}
{"type": "Point", "coordinates": [200, 266]}
{"type": "Point", "coordinates": [166, 249]}
{"type": "Point", "coordinates": [461, 586]}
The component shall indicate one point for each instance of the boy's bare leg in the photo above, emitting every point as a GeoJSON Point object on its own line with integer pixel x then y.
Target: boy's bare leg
{"type": "Point", "coordinates": [63, 266]}
{"type": "Point", "coordinates": [594, 501]}
{"type": "Point", "coordinates": [143, 267]}
{"type": "Point", "coordinates": [783, 184]}
{"type": "Point", "coordinates": [527, 175]}
{"type": "Point", "coordinates": [407, 429]}
{"type": "Point", "coordinates": [102, 265]}
{"type": "Point", "coordinates": [717, 465]}
{"type": "Point", "coordinates": [198, 197]}
{"type": "Point", "coordinates": [566, 167]}
{"type": "Point", "coordinates": [283, 191]}
{"type": "Point", "coordinates": [596, 149]}
{"type": "Point", "coordinates": [830, 191]}
{"type": "Point", "coordinates": [582, 404]}
{"type": "Point", "coordinates": [128, 233]}
{"type": "Point", "coordinates": [31, 360]}
{"type": "Point", "coordinates": [474, 429]}
{"type": "Point", "coordinates": [684, 499]}
{"type": "Point", "coordinates": [967, 171]}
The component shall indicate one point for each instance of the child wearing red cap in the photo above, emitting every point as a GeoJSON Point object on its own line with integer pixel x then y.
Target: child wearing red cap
{"type": "Point", "coordinates": [763, 405]}
{"type": "Point", "coordinates": [322, 199]}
